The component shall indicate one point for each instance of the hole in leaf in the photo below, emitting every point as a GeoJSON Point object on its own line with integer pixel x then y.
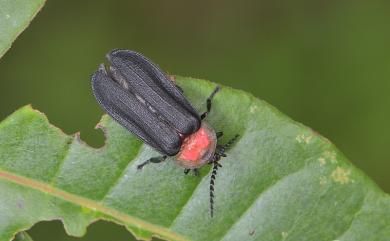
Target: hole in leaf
{"type": "Point", "coordinates": [99, 231]}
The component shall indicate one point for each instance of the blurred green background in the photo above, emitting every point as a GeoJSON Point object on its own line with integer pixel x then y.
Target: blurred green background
{"type": "Point", "coordinates": [323, 63]}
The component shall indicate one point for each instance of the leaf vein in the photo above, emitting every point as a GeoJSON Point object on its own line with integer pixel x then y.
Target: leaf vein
{"type": "Point", "coordinates": [93, 205]}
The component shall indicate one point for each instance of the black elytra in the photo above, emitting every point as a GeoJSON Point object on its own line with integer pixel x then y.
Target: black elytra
{"type": "Point", "coordinates": [137, 94]}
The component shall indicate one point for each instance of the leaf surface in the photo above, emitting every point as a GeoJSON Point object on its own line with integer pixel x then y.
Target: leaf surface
{"type": "Point", "coordinates": [280, 180]}
{"type": "Point", "coordinates": [15, 16]}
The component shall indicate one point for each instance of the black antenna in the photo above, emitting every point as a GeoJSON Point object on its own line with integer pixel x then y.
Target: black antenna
{"type": "Point", "coordinates": [212, 181]}
{"type": "Point", "coordinates": [217, 156]}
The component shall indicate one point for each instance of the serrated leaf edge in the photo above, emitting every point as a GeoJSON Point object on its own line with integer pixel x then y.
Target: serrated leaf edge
{"type": "Point", "coordinates": [84, 202]}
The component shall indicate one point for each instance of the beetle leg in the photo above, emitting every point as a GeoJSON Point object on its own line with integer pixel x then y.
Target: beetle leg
{"type": "Point", "coordinates": [196, 172]}
{"type": "Point", "coordinates": [152, 160]}
{"type": "Point", "coordinates": [219, 134]}
{"type": "Point", "coordinates": [221, 149]}
{"type": "Point", "coordinates": [209, 102]}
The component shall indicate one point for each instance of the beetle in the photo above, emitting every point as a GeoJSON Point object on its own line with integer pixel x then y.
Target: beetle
{"type": "Point", "coordinates": [137, 94]}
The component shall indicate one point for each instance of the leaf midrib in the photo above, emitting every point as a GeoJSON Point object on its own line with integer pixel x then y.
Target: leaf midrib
{"type": "Point", "coordinates": [88, 203]}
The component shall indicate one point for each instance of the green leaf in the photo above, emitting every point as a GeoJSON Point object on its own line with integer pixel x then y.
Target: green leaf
{"type": "Point", "coordinates": [23, 236]}
{"type": "Point", "coordinates": [280, 181]}
{"type": "Point", "coordinates": [15, 16]}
